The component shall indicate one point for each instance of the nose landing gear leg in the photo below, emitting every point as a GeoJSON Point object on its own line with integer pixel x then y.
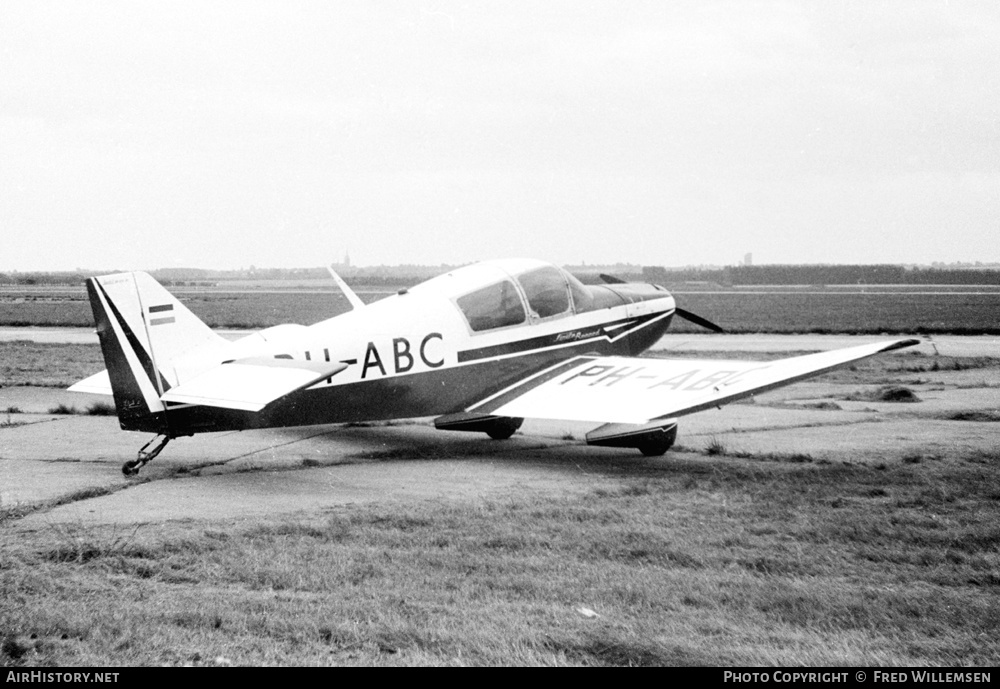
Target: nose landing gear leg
{"type": "Point", "coordinates": [144, 457]}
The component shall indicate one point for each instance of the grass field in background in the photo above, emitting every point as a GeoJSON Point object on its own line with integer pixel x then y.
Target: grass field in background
{"type": "Point", "coordinates": [816, 310]}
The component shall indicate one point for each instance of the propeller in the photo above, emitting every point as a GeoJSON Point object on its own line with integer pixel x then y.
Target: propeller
{"type": "Point", "coordinates": [683, 313]}
{"type": "Point", "coordinates": [698, 320]}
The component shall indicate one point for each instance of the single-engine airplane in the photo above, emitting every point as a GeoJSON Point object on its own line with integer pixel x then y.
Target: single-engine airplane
{"type": "Point", "coordinates": [480, 348]}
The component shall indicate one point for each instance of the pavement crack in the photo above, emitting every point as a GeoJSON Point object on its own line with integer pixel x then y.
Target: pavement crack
{"type": "Point", "coordinates": [20, 511]}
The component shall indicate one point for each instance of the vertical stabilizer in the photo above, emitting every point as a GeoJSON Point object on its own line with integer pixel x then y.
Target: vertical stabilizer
{"type": "Point", "coordinates": [143, 330]}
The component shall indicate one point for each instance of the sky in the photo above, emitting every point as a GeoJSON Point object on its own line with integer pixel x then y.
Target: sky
{"type": "Point", "coordinates": [143, 135]}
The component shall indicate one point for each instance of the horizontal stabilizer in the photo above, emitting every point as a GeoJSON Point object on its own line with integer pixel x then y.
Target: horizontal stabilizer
{"type": "Point", "coordinates": [97, 384]}
{"type": "Point", "coordinates": [251, 384]}
{"type": "Point", "coordinates": [638, 391]}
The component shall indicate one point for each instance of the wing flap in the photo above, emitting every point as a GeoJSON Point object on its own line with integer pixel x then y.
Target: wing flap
{"type": "Point", "coordinates": [638, 391]}
{"type": "Point", "coordinates": [251, 384]}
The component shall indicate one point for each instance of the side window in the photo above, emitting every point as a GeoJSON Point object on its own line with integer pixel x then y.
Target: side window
{"type": "Point", "coordinates": [546, 291]}
{"type": "Point", "coordinates": [496, 306]}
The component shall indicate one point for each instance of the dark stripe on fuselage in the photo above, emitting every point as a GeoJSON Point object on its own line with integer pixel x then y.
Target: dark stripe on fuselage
{"type": "Point", "coordinates": [590, 334]}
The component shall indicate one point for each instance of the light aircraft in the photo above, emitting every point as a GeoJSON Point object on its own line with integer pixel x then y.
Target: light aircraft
{"type": "Point", "coordinates": [480, 348]}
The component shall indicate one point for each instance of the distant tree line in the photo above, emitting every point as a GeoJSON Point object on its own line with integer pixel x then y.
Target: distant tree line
{"type": "Point", "coordinates": [42, 278]}
{"type": "Point", "coordinates": [406, 276]}
{"type": "Point", "coordinates": [824, 275]}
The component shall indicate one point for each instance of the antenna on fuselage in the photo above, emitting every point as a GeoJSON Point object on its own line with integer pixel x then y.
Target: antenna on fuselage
{"type": "Point", "coordinates": [356, 302]}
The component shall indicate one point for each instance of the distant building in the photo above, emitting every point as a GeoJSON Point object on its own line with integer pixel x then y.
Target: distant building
{"type": "Point", "coordinates": [344, 267]}
{"type": "Point", "coordinates": [748, 259]}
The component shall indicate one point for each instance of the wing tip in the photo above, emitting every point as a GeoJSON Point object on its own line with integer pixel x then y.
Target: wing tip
{"type": "Point", "coordinates": [901, 344]}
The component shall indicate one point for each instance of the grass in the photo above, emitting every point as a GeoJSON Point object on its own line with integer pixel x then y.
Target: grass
{"type": "Point", "coordinates": [885, 393]}
{"type": "Point", "coordinates": [94, 409]}
{"type": "Point", "coordinates": [15, 511]}
{"type": "Point", "coordinates": [716, 447]}
{"type": "Point", "coordinates": [9, 422]}
{"type": "Point", "coordinates": [978, 415]}
{"type": "Point", "coordinates": [47, 365]}
{"type": "Point", "coordinates": [826, 406]}
{"type": "Point", "coordinates": [803, 564]}
{"type": "Point", "coordinates": [101, 409]}
{"type": "Point", "coordinates": [834, 311]}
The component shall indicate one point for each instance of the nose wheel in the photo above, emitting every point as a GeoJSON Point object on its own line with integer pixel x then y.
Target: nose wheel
{"type": "Point", "coordinates": [145, 455]}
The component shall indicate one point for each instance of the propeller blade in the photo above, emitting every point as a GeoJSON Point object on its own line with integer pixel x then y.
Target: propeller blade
{"type": "Point", "coordinates": [698, 320]}
{"type": "Point", "coordinates": [611, 279]}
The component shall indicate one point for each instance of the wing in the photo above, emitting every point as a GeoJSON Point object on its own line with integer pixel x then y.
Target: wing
{"type": "Point", "coordinates": [97, 384]}
{"type": "Point", "coordinates": [251, 384]}
{"type": "Point", "coordinates": [639, 391]}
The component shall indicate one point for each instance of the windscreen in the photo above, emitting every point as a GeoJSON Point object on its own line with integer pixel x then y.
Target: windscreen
{"type": "Point", "coordinates": [546, 291]}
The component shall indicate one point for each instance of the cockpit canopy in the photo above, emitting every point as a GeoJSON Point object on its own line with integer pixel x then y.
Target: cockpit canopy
{"type": "Point", "coordinates": [500, 294]}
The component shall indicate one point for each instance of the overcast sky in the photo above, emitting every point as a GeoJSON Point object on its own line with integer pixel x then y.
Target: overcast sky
{"type": "Point", "coordinates": [140, 135]}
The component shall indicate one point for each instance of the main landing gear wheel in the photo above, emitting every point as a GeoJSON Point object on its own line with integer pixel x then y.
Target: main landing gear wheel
{"type": "Point", "coordinates": [655, 448]}
{"type": "Point", "coordinates": [657, 443]}
{"type": "Point", "coordinates": [501, 429]}
{"type": "Point", "coordinates": [145, 457]}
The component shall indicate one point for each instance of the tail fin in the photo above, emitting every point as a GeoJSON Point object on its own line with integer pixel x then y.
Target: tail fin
{"type": "Point", "coordinates": [143, 330]}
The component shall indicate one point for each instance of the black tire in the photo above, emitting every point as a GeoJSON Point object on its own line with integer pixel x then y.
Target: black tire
{"type": "Point", "coordinates": [654, 449]}
{"type": "Point", "coordinates": [502, 429]}
{"type": "Point", "coordinates": [658, 444]}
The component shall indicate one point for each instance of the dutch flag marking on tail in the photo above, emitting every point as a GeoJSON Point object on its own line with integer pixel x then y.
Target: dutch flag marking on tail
{"type": "Point", "coordinates": [161, 320]}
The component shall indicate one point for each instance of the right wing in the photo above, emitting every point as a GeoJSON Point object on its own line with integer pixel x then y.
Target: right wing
{"type": "Point", "coordinates": [638, 391]}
